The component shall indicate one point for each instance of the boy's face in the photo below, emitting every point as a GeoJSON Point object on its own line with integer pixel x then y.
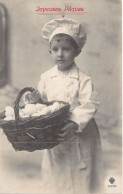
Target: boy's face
{"type": "Point", "coordinates": [63, 52]}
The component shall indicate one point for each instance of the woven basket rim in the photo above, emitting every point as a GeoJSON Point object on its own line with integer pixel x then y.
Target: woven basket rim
{"type": "Point", "coordinates": [34, 118]}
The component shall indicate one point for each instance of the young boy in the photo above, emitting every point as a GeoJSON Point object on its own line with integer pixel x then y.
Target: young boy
{"type": "Point", "coordinates": [73, 166]}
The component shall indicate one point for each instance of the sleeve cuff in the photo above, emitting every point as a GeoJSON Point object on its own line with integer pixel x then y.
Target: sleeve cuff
{"type": "Point", "coordinates": [81, 119]}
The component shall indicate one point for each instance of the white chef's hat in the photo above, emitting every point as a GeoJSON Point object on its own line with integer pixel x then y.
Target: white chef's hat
{"type": "Point", "coordinates": [65, 26]}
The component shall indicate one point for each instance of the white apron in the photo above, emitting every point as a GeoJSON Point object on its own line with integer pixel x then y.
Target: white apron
{"type": "Point", "coordinates": [75, 166]}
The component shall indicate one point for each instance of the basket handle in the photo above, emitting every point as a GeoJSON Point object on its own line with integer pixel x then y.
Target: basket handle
{"type": "Point", "coordinates": [16, 107]}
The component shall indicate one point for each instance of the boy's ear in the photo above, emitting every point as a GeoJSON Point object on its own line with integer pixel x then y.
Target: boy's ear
{"type": "Point", "coordinates": [78, 52]}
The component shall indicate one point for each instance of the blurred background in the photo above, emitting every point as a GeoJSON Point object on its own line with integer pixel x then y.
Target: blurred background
{"type": "Point", "coordinates": [24, 55]}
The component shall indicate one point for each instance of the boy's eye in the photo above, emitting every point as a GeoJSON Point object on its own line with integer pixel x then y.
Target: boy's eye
{"type": "Point", "coordinates": [54, 49]}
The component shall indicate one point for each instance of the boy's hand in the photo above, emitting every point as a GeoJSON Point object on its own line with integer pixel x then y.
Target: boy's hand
{"type": "Point", "coordinates": [67, 131]}
{"type": "Point", "coordinates": [33, 97]}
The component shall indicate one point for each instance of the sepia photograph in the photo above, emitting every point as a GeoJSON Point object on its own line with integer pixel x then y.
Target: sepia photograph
{"type": "Point", "coordinates": [60, 97]}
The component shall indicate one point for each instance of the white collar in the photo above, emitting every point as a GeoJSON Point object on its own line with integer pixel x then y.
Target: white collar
{"type": "Point", "coordinates": [73, 73]}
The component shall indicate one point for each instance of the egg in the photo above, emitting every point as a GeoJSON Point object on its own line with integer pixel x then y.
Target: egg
{"type": "Point", "coordinates": [45, 111]}
{"type": "Point", "coordinates": [30, 109]}
{"type": "Point", "coordinates": [24, 116]}
{"type": "Point", "coordinates": [61, 105]}
{"type": "Point", "coordinates": [56, 104]}
{"type": "Point", "coordinates": [29, 112]}
{"type": "Point", "coordinates": [9, 111]}
{"type": "Point", "coordinates": [21, 113]}
{"type": "Point", "coordinates": [40, 106]}
{"type": "Point", "coordinates": [52, 109]}
{"type": "Point", "coordinates": [36, 114]}
{"type": "Point", "coordinates": [55, 107]}
{"type": "Point", "coordinates": [8, 118]}
{"type": "Point", "coordinates": [27, 106]}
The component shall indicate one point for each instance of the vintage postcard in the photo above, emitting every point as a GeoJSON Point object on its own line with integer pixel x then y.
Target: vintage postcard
{"type": "Point", "coordinates": [60, 97]}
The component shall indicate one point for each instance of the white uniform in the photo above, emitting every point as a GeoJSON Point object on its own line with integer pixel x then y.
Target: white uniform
{"type": "Point", "coordinates": [74, 166]}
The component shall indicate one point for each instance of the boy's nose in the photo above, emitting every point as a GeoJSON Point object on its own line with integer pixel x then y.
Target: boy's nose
{"type": "Point", "coordinates": [60, 52]}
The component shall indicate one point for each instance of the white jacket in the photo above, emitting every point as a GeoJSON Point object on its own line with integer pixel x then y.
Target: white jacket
{"type": "Point", "coordinates": [74, 87]}
{"type": "Point", "coordinates": [74, 166]}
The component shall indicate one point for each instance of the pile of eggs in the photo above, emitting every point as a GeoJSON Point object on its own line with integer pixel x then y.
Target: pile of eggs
{"type": "Point", "coordinates": [32, 110]}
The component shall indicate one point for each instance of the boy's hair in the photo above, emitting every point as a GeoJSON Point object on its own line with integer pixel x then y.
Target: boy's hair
{"type": "Point", "coordinates": [67, 37]}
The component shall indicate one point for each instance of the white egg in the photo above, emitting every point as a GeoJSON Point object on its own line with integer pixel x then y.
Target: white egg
{"type": "Point", "coordinates": [9, 111]}
{"type": "Point", "coordinates": [21, 113]}
{"type": "Point", "coordinates": [13, 118]}
{"type": "Point", "coordinates": [29, 112]}
{"type": "Point", "coordinates": [36, 114]}
{"type": "Point", "coordinates": [8, 108]}
{"type": "Point", "coordinates": [61, 105]}
{"type": "Point", "coordinates": [56, 104]}
{"type": "Point", "coordinates": [45, 111]}
{"type": "Point", "coordinates": [24, 116]}
{"type": "Point", "coordinates": [8, 118]}
{"type": "Point", "coordinates": [30, 109]}
{"type": "Point", "coordinates": [55, 107]}
{"type": "Point", "coordinates": [40, 106]}
{"type": "Point", "coordinates": [30, 106]}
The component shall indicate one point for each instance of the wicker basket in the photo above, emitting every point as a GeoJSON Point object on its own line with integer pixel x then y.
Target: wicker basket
{"type": "Point", "coordinates": [34, 133]}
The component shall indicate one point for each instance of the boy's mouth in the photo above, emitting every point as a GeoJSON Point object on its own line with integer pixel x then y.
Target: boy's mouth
{"type": "Point", "coordinates": [61, 60]}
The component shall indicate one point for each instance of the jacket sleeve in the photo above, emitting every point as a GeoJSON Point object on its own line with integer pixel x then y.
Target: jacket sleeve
{"type": "Point", "coordinates": [89, 104]}
{"type": "Point", "coordinates": [42, 88]}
